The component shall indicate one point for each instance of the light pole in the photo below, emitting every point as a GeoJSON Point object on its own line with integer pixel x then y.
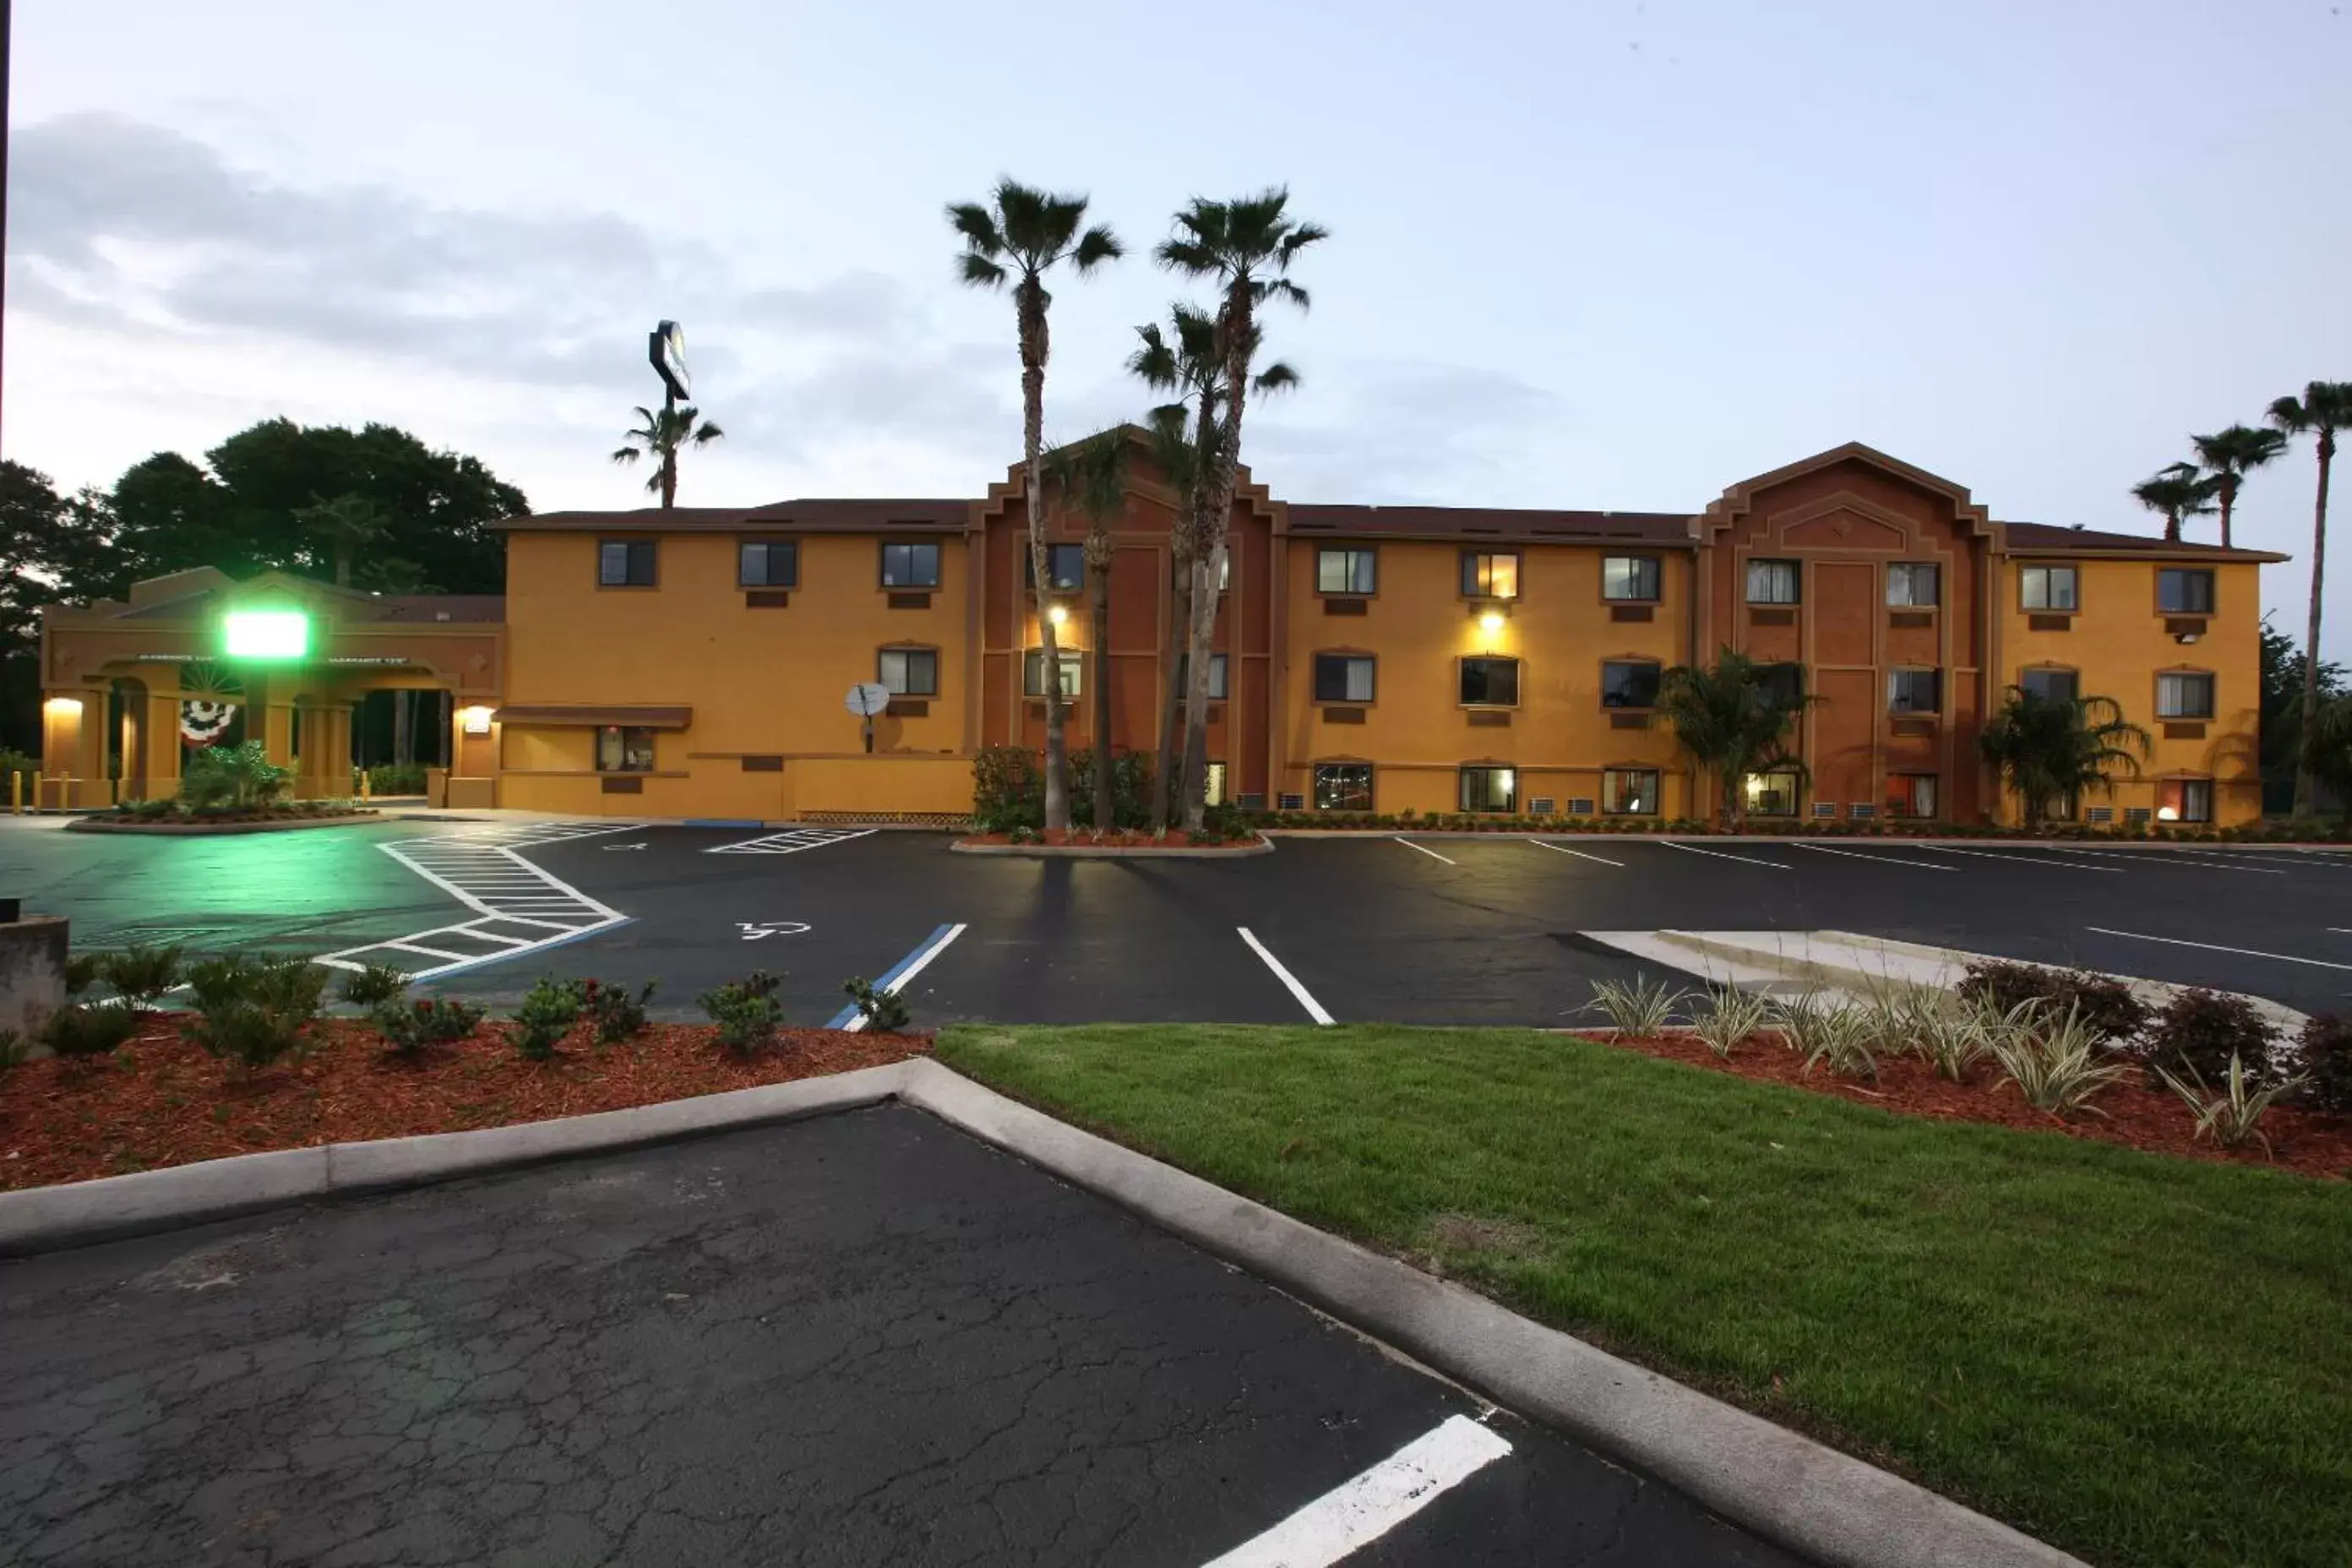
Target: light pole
{"type": "Point", "coordinates": [665, 350]}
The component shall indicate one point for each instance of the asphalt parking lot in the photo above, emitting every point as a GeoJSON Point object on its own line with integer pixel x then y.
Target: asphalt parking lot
{"type": "Point", "coordinates": [865, 1338]}
{"type": "Point", "coordinates": [1434, 930]}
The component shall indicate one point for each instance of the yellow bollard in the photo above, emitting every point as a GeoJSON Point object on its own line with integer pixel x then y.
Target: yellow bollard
{"type": "Point", "coordinates": [366, 792]}
{"type": "Point", "coordinates": [16, 792]}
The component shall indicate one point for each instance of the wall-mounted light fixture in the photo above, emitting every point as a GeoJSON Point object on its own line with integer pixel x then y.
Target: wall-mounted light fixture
{"type": "Point", "coordinates": [474, 720]}
{"type": "Point", "coordinates": [1058, 614]}
{"type": "Point", "coordinates": [2185, 638]}
{"type": "Point", "coordinates": [59, 706]}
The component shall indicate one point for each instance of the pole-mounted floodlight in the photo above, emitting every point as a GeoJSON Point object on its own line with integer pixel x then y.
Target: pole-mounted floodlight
{"type": "Point", "coordinates": [665, 348]}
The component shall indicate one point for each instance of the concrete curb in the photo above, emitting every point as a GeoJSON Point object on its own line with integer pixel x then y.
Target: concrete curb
{"type": "Point", "coordinates": [1818, 1502]}
{"type": "Point", "coordinates": [1766, 840]}
{"type": "Point", "coordinates": [1261, 846]}
{"type": "Point", "coordinates": [214, 829]}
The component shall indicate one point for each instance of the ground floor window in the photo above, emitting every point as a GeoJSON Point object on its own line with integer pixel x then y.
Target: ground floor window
{"type": "Point", "coordinates": [2184, 800]}
{"type": "Point", "coordinates": [624, 749]}
{"type": "Point", "coordinates": [1628, 791]}
{"type": "Point", "coordinates": [1490, 789]}
{"type": "Point", "coordinates": [1213, 792]}
{"type": "Point", "coordinates": [1911, 794]}
{"type": "Point", "coordinates": [1343, 786]}
{"type": "Point", "coordinates": [910, 671]}
{"type": "Point", "coordinates": [1033, 672]}
{"type": "Point", "coordinates": [1772, 794]}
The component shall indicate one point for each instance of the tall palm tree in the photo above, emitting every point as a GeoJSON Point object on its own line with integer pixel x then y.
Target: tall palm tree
{"type": "Point", "coordinates": [2046, 748]}
{"type": "Point", "coordinates": [2229, 455]}
{"type": "Point", "coordinates": [1017, 241]}
{"type": "Point", "coordinates": [2324, 408]}
{"type": "Point", "coordinates": [2177, 490]}
{"type": "Point", "coordinates": [1092, 477]}
{"type": "Point", "coordinates": [1247, 247]}
{"type": "Point", "coordinates": [345, 524]}
{"type": "Point", "coordinates": [1729, 720]}
{"type": "Point", "coordinates": [661, 433]}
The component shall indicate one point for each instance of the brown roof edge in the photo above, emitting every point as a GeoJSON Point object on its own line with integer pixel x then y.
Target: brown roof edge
{"type": "Point", "coordinates": [590, 715]}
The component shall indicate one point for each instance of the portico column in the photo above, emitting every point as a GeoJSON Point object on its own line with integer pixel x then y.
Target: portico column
{"type": "Point", "coordinates": [325, 770]}
{"type": "Point", "coordinates": [159, 738]}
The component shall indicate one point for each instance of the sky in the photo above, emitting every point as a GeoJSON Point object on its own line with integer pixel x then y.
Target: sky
{"type": "Point", "coordinates": [1591, 254]}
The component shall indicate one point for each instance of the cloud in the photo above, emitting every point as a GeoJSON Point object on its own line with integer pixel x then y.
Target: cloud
{"type": "Point", "coordinates": [1397, 431]}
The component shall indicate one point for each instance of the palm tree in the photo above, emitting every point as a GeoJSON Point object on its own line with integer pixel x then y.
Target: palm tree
{"type": "Point", "coordinates": [1024, 235]}
{"type": "Point", "coordinates": [2177, 490]}
{"type": "Point", "coordinates": [1092, 477]}
{"type": "Point", "coordinates": [2047, 748]}
{"type": "Point", "coordinates": [1247, 247]}
{"type": "Point", "coordinates": [2229, 455]}
{"type": "Point", "coordinates": [661, 433]}
{"type": "Point", "coordinates": [1729, 718]}
{"type": "Point", "coordinates": [2324, 408]}
{"type": "Point", "coordinates": [345, 524]}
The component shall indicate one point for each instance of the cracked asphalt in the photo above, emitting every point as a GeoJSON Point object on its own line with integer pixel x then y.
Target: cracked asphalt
{"type": "Point", "coordinates": [862, 1340]}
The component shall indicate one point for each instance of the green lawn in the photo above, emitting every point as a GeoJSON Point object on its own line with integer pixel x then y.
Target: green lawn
{"type": "Point", "coordinates": [2144, 1361]}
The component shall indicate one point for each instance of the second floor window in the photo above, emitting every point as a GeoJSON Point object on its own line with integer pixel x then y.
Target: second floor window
{"type": "Point", "coordinates": [1633, 578]}
{"type": "Point", "coordinates": [2056, 685]}
{"type": "Point", "coordinates": [1490, 574]}
{"type": "Point", "coordinates": [1345, 572]}
{"type": "Point", "coordinates": [1065, 563]}
{"type": "Point", "coordinates": [2184, 590]}
{"type": "Point", "coordinates": [1343, 678]}
{"type": "Point", "coordinates": [1628, 683]}
{"type": "Point", "coordinates": [1033, 672]}
{"type": "Point", "coordinates": [910, 566]}
{"type": "Point", "coordinates": [1490, 682]}
{"type": "Point", "coordinates": [910, 671]}
{"type": "Point", "coordinates": [624, 563]}
{"type": "Point", "coordinates": [2047, 588]}
{"type": "Point", "coordinates": [1912, 584]}
{"type": "Point", "coordinates": [1216, 676]}
{"type": "Point", "coordinates": [1914, 691]}
{"type": "Point", "coordinates": [767, 564]}
{"type": "Point", "coordinates": [2184, 694]}
{"type": "Point", "coordinates": [1772, 582]}
{"type": "Point", "coordinates": [1784, 684]}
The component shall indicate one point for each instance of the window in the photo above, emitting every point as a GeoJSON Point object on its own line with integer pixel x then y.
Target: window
{"type": "Point", "coordinates": [1217, 675]}
{"type": "Point", "coordinates": [1490, 682]}
{"type": "Point", "coordinates": [1628, 683]}
{"type": "Point", "coordinates": [2184, 590]}
{"type": "Point", "coordinates": [1772, 794]}
{"type": "Point", "coordinates": [1915, 691]}
{"type": "Point", "coordinates": [910, 566]}
{"type": "Point", "coordinates": [1067, 564]}
{"type": "Point", "coordinates": [1347, 572]}
{"type": "Point", "coordinates": [1343, 678]}
{"type": "Point", "coordinates": [1225, 577]}
{"type": "Point", "coordinates": [1912, 584]}
{"type": "Point", "coordinates": [1784, 684]}
{"type": "Point", "coordinates": [1343, 786]}
{"type": "Point", "coordinates": [624, 751]}
{"type": "Point", "coordinates": [2047, 588]}
{"type": "Point", "coordinates": [2064, 807]}
{"type": "Point", "coordinates": [2183, 694]}
{"type": "Point", "coordinates": [1628, 791]}
{"type": "Point", "coordinates": [1629, 577]}
{"type": "Point", "coordinates": [1490, 574]}
{"type": "Point", "coordinates": [1773, 581]}
{"type": "Point", "coordinates": [2057, 685]}
{"type": "Point", "coordinates": [1212, 783]}
{"type": "Point", "coordinates": [624, 563]}
{"type": "Point", "coordinates": [1033, 671]}
{"type": "Point", "coordinates": [1490, 789]}
{"type": "Point", "coordinates": [761, 564]}
{"type": "Point", "coordinates": [2184, 800]}
{"type": "Point", "coordinates": [910, 671]}
{"type": "Point", "coordinates": [1911, 794]}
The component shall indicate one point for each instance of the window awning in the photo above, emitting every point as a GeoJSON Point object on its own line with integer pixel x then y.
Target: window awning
{"type": "Point", "coordinates": [595, 715]}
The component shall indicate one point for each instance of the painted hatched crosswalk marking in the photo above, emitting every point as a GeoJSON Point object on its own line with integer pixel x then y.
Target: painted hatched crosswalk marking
{"type": "Point", "coordinates": [790, 843]}
{"type": "Point", "coordinates": [486, 872]}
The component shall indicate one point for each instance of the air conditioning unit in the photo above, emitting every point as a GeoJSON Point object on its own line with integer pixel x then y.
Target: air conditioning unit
{"type": "Point", "coordinates": [2136, 814]}
{"type": "Point", "coordinates": [1578, 806]}
{"type": "Point", "coordinates": [1824, 808]}
{"type": "Point", "coordinates": [1543, 805]}
{"type": "Point", "coordinates": [1862, 811]}
{"type": "Point", "coordinates": [2097, 813]}
{"type": "Point", "coordinates": [1292, 802]}
{"type": "Point", "coordinates": [1254, 801]}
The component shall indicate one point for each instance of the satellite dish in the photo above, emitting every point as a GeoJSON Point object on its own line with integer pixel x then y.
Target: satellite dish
{"type": "Point", "coordinates": [665, 347]}
{"type": "Point", "coordinates": [869, 698]}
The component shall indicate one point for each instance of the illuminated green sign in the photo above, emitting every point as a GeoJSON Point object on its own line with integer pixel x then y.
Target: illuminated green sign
{"type": "Point", "coordinates": [266, 634]}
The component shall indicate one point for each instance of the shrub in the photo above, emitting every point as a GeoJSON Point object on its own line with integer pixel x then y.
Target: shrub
{"type": "Point", "coordinates": [1735, 1016]}
{"type": "Point", "coordinates": [141, 975]}
{"type": "Point", "coordinates": [549, 1010]}
{"type": "Point", "coordinates": [746, 1012]}
{"type": "Point", "coordinates": [88, 1028]}
{"type": "Point", "coordinates": [617, 1014]}
{"type": "Point", "coordinates": [1953, 1039]}
{"type": "Point", "coordinates": [396, 778]}
{"type": "Point", "coordinates": [2055, 1065]}
{"type": "Point", "coordinates": [22, 762]}
{"type": "Point", "coordinates": [14, 1047]}
{"type": "Point", "coordinates": [255, 1010]}
{"type": "Point", "coordinates": [221, 779]}
{"type": "Point", "coordinates": [409, 1027]}
{"type": "Point", "coordinates": [81, 969]}
{"type": "Point", "coordinates": [882, 1010]}
{"type": "Point", "coordinates": [373, 986]}
{"type": "Point", "coordinates": [1640, 1009]}
{"type": "Point", "coordinates": [2326, 1050]}
{"type": "Point", "coordinates": [2229, 1117]}
{"type": "Point", "coordinates": [1008, 789]}
{"type": "Point", "coordinates": [2204, 1031]}
{"type": "Point", "coordinates": [2107, 1007]}
{"type": "Point", "coordinates": [1838, 1038]}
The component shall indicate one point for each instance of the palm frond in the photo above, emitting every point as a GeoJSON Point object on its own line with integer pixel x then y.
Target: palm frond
{"type": "Point", "coordinates": [979, 271]}
{"type": "Point", "coordinates": [1097, 246]}
{"type": "Point", "coordinates": [977, 226]}
{"type": "Point", "coordinates": [1275, 377]}
{"type": "Point", "coordinates": [626, 454]}
{"type": "Point", "coordinates": [708, 432]}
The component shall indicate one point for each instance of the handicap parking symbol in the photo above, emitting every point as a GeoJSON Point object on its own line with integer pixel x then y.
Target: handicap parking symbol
{"type": "Point", "coordinates": [756, 930]}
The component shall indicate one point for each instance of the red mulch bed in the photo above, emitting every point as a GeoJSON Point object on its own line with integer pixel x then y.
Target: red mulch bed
{"type": "Point", "coordinates": [1122, 839]}
{"type": "Point", "coordinates": [2153, 1121]}
{"type": "Point", "coordinates": [160, 1100]}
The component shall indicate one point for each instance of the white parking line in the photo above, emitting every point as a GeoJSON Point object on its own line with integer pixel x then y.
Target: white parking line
{"type": "Point", "coordinates": [1564, 849]}
{"type": "Point", "coordinates": [1430, 853]}
{"type": "Point", "coordinates": [2017, 859]}
{"type": "Point", "coordinates": [1744, 859]}
{"type": "Point", "coordinates": [2214, 947]}
{"type": "Point", "coordinates": [1306, 999]}
{"type": "Point", "coordinates": [895, 978]}
{"type": "Point", "coordinates": [2164, 858]}
{"type": "Point", "coordinates": [792, 842]}
{"type": "Point", "coordinates": [1353, 1515]}
{"type": "Point", "coordinates": [1883, 859]}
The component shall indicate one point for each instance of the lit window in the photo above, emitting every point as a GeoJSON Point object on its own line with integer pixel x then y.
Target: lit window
{"type": "Point", "coordinates": [1911, 794]}
{"type": "Point", "coordinates": [1914, 691]}
{"type": "Point", "coordinates": [625, 750]}
{"type": "Point", "coordinates": [1343, 786]}
{"type": "Point", "coordinates": [1213, 782]}
{"type": "Point", "coordinates": [1490, 682]}
{"type": "Point", "coordinates": [910, 671]}
{"type": "Point", "coordinates": [1033, 671]}
{"type": "Point", "coordinates": [1345, 572]}
{"type": "Point", "coordinates": [910, 566]}
{"type": "Point", "coordinates": [1067, 564]}
{"type": "Point", "coordinates": [1343, 678]}
{"type": "Point", "coordinates": [1490, 574]}
{"type": "Point", "coordinates": [1772, 582]}
{"type": "Point", "coordinates": [2055, 685]}
{"type": "Point", "coordinates": [2184, 695]}
{"type": "Point", "coordinates": [1772, 794]}
{"type": "Point", "coordinates": [765, 564]}
{"type": "Point", "coordinates": [1912, 584]}
{"type": "Point", "coordinates": [1628, 791]}
{"type": "Point", "coordinates": [624, 563]}
{"type": "Point", "coordinates": [2184, 800]}
{"type": "Point", "coordinates": [1628, 683]}
{"type": "Point", "coordinates": [2183, 591]}
{"type": "Point", "coordinates": [1631, 577]}
{"type": "Point", "coordinates": [2047, 587]}
{"type": "Point", "coordinates": [1490, 789]}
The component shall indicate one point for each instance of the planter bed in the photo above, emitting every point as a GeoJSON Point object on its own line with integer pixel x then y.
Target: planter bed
{"type": "Point", "coordinates": [198, 826]}
{"type": "Point", "coordinates": [1082, 844]}
{"type": "Point", "coordinates": [1355, 823]}
{"type": "Point", "coordinates": [160, 1100]}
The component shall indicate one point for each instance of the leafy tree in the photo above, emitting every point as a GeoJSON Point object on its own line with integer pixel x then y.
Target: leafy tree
{"type": "Point", "coordinates": [52, 551]}
{"type": "Point", "coordinates": [1247, 247]}
{"type": "Point", "coordinates": [2177, 490]}
{"type": "Point", "coordinates": [661, 435]}
{"type": "Point", "coordinates": [2046, 748]}
{"type": "Point", "coordinates": [1731, 720]}
{"type": "Point", "coordinates": [1018, 238]}
{"type": "Point", "coordinates": [2331, 750]}
{"type": "Point", "coordinates": [1092, 477]}
{"type": "Point", "coordinates": [2324, 408]}
{"type": "Point", "coordinates": [2228, 457]}
{"type": "Point", "coordinates": [2281, 712]}
{"type": "Point", "coordinates": [343, 525]}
